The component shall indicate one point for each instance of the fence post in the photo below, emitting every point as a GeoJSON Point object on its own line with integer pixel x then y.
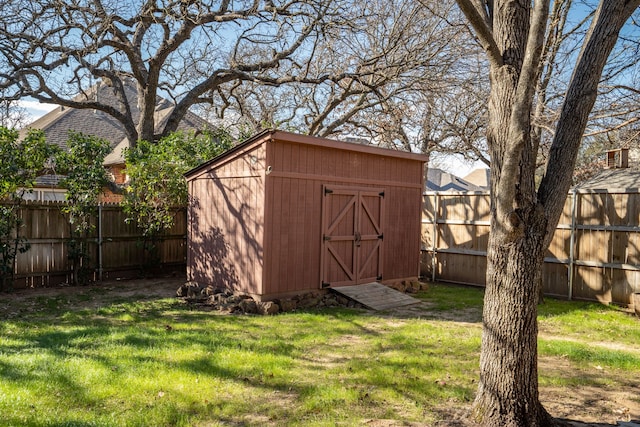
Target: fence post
{"type": "Point", "coordinates": [100, 241]}
{"type": "Point", "coordinates": [434, 247]}
{"type": "Point", "coordinates": [572, 240]}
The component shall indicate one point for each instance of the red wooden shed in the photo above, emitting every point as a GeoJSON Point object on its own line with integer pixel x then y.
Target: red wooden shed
{"type": "Point", "coordinates": [282, 214]}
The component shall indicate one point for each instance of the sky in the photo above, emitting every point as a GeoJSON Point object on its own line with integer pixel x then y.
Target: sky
{"type": "Point", "coordinates": [35, 109]}
{"type": "Point", "coordinates": [456, 166]}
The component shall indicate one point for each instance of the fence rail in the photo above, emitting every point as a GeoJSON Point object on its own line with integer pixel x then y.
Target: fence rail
{"type": "Point", "coordinates": [594, 254]}
{"type": "Point", "coordinates": [114, 246]}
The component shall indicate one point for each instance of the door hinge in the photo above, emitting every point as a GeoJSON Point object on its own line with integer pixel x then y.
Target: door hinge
{"type": "Point", "coordinates": [379, 277]}
{"type": "Point", "coordinates": [328, 191]}
{"type": "Point", "coordinates": [326, 238]}
{"type": "Point", "coordinates": [326, 284]}
{"type": "Point", "coordinates": [381, 236]}
{"type": "Point", "coordinates": [381, 194]}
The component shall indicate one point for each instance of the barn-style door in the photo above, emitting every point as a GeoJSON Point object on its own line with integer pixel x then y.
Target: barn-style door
{"type": "Point", "coordinates": [352, 235]}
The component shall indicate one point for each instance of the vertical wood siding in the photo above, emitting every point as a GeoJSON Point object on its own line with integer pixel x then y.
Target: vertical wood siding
{"type": "Point", "coordinates": [226, 220]}
{"type": "Point", "coordinates": [268, 215]}
{"type": "Point", "coordinates": [294, 190]}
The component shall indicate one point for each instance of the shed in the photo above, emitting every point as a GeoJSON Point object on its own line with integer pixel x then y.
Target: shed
{"type": "Point", "coordinates": [283, 214]}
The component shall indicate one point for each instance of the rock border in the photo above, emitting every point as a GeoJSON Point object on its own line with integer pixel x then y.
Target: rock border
{"type": "Point", "coordinates": [226, 301]}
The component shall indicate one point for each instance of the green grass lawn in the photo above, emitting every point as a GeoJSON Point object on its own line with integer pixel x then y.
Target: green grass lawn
{"type": "Point", "coordinates": [67, 361]}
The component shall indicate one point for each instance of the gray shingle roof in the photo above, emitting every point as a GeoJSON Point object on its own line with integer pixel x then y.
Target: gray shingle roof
{"type": "Point", "coordinates": [439, 180]}
{"type": "Point", "coordinates": [49, 180]}
{"type": "Point", "coordinates": [57, 123]}
{"type": "Point", "coordinates": [625, 180]}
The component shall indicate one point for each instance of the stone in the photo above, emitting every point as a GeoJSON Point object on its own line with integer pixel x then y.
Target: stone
{"type": "Point", "coordinates": [248, 306]}
{"type": "Point", "coordinates": [226, 301]}
{"type": "Point", "coordinates": [342, 300]}
{"type": "Point", "coordinates": [210, 290]}
{"type": "Point", "coordinates": [234, 299]}
{"type": "Point", "coordinates": [268, 307]}
{"type": "Point", "coordinates": [398, 286]}
{"type": "Point", "coordinates": [219, 298]}
{"type": "Point", "coordinates": [309, 300]}
{"type": "Point", "coordinates": [226, 308]}
{"type": "Point", "coordinates": [413, 287]}
{"type": "Point", "coordinates": [189, 290]}
{"type": "Point", "coordinates": [287, 305]}
{"type": "Point", "coordinates": [331, 303]}
{"type": "Point", "coordinates": [193, 291]}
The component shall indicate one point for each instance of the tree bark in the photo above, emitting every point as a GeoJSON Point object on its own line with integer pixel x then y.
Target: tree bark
{"type": "Point", "coordinates": [522, 219]}
{"type": "Point", "coordinates": [508, 388]}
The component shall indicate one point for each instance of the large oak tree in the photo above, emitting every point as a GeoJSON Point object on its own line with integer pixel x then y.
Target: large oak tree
{"type": "Point", "coordinates": [56, 51]}
{"type": "Point", "coordinates": [523, 216]}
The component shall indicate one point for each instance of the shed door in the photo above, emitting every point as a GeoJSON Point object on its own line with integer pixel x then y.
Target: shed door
{"type": "Point", "coordinates": [352, 235]}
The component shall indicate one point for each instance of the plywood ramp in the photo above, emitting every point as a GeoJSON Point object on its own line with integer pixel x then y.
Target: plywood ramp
{"type": "Point", "coordinates": [376, 296]}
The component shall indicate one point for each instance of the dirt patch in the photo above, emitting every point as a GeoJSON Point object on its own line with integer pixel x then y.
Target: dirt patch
{"type": "Point", "coordinates": [589, 404]}
{"type": "Point", "coordinates": [158, 287]}
{"type": "Point", "coordinates": [425, 310]}
{"type": "Point", "coordinates": [613, 397]}
{"type": "Point", "coordinates": [89, 296]}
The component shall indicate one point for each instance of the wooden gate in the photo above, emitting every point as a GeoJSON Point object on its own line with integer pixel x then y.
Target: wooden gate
{"type": "Point", "coordinates": [352, 235]}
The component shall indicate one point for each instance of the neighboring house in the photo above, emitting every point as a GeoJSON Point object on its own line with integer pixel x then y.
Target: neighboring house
{"type": "Point", "coordinates": [439, 180]}
{"type": "Point", "coordinates": [626, 180]}
{"type": "Point", "coordinates": [57, 123]}
{"type": "Point", "coordinates": [621, 175]}
{"type": "Point", "coordinates": [479, 177]}
{"type": "Point", "coordinates": [46, 189]}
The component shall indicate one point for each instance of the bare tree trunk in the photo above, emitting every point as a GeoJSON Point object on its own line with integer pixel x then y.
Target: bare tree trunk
{"type": "Point", "coordinates": [508, 388]}
{"type": "Point", "coordinates": [146, 123]}
{"type": "Point", "coordinates": [522, 219]}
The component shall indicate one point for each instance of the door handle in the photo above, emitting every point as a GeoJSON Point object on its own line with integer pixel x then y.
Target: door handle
{"type": "Point", "coordinates": [358, 238]}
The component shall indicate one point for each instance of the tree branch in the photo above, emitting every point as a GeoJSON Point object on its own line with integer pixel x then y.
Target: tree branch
{"type": "Point", "coordinates": [601, 38]}
{"type": "Point", "coordinates": [479, 21]}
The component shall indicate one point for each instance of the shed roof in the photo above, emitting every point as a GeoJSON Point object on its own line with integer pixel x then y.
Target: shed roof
{"type": "Point", "coordinates": [272, 134]}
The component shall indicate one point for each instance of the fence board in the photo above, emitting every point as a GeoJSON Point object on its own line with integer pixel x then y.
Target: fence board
{"type": "Point", "coordinates": [119, 251]}
{"type": "Point", "coordinates": [605, 233]}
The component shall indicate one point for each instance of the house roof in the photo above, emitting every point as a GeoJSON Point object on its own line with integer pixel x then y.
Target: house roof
{"type": "Point", "coordinates": [479, 177]}
{"type": "Point", "coordinates": [625, 180]}
{"type": "Point", "coordinates": [439, 180]}
{"type": "Point", "coordinates": [271, 134]}
{"type": "Point", "coordinates": [57, 123]}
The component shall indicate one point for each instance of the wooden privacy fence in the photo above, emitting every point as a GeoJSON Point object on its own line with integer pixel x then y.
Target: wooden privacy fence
{"type": "Point", "coordinates": [594, 254]}
{"type": "Point", "coordinates": [115, 247]}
